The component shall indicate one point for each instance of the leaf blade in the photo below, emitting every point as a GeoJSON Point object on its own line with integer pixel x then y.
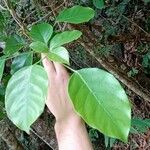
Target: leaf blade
{"type": "Point", "coordinates": [25, 96]}
{"type": "Point", "coordinates": [98, 4]}
{"type": "Point", "coordinates": [13, 45]}
{"type": "Point", "coordinates": [76, 14]}
{"type": "Point", "coordinates": [2, 64]}
{"type": "Point", "coordinates": [64, 38]}
{"type": "Point", "coordinates": [59, 54]}
{"type": "Point", "coordinates": [39, 47]}
{"type": "Point", "coordinates": [93, 95]}
{"type": "Point", "coordinates": [41, 32]}
{"type": "Point", "coordinates": [24, 59]}
{"type": "Point", "coordinates": [139, 125]}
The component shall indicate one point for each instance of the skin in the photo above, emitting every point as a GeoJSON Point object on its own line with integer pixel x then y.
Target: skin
{"type": "Point", "coordinates": [70, 129]}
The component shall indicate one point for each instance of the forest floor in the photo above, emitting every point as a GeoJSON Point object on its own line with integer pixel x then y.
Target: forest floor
{"type": "Point", "coordinates": [117, 40]}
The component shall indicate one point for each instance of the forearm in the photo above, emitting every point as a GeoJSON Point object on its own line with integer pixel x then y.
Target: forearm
{"type": "Point", "coordinates": [72, 135]}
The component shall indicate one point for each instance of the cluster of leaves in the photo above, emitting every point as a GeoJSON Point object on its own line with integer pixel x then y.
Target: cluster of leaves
{"type": "Point", "coordinates": [27, 89]}
{"type": "Point", "coordinates": [29, 82]}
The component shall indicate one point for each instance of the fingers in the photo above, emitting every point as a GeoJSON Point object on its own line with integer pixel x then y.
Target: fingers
{"type": "Point", "coordinates": [48, 65]}
{"type": "Point", "coordinates": [60, 69]}
{"type": "Point", "coordinates": [53, 68]}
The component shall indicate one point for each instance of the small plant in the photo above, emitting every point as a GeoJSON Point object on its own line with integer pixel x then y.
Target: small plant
{"type": "Point", "coordinates": [146, 63]}
{"type": "Point", "coordinates": [98, 4]}
{"type": "Point", "coordinates": [139, 125]}
{"type": "Point", "coordinates": [133, 72]}
{"type": "Point", "coordinates": [96, 95]}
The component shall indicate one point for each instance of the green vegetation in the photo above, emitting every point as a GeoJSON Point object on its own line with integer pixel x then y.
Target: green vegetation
{"type": "Point", "coordinates": [96, 94]}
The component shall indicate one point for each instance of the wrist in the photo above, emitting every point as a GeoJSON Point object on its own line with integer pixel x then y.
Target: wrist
{"type": "Point", "coordinates": [68, 117]}
{"type": "Point", "coordinates": [71, 121]}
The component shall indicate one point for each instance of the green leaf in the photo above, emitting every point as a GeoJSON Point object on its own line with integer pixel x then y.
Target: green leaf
{"type": "Point", "coordinates": [133, 72]}
{"type": "Point", "coordinates": [64, 38]}
{"type": "Point", "coordinates": [25, 96]}
{"type": "Point", "coordinates": [109, 142]}
{"type": "Point", "coordinates": [76, 14]}
{"type": "Point", "coordinates": [59, 54]}
{"type": "Point", "coordinates": [146, 60]}
{"type": "Point", "coordinates": [41, 32]}
{"type": "Point", "coordinates": [146, 1]}
{"type": "Point", "coordinates": [13, 45]}
{"type": "Point", "coordinates": [39, 47]}
{"type": "Point", "coordinates": [2, 92]}
{"type": "Point", "coordinates": [2, 64]}
{"type": "Point", "coordinates": [2, 22]}
{"type": "Point", "coordinates": [24, 59]}
{"type": "Point", "coordinates": [2, 112]}
{"type": "Point", "coordinates": [99, 98]}
{"type": "Point", "coordinates": [98, 4]}
{"type": "Point", "coordinates": [93, 134]}
{"type": "Point", "coordinates": [139, 125]}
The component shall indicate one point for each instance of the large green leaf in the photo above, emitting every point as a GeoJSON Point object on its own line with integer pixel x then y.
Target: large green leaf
{"type": "Point", "coordinates": [24, 59]}
{"type": "Point", "coordinates": [13, 44]}
{"type": "Point", "coordinates": [59, 54]}
{"type": "Point", "coordinates": [139, 125]}
{"type": "Point", "coordinates": [41, 32]}
{"type": "Point", "coordinates": [25, 96]}
{"type": "Point", "coordinates": [39, 47]}
{"type": "Point", "coordinates": [98, 4]}
{"type": "Point", "coordinates": [76, 14]}
{"type": "Point", "coordinates": [64, 38]}
{"type": "Point", "coordinates": [2, 64]}
{"type": "Point", "coordinates": [101, 101]}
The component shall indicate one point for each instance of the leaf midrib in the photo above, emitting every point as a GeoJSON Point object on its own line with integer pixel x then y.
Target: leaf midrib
{"type": "Point", "coordinates": [27, 93]}
{"type": "Point", "coordinates": [96, 98]}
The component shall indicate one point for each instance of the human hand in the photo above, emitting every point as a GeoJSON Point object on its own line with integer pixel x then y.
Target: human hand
{"type": "Point", "coordinates": [70, 129]}
{"type": "Point", "coordinates": [58, 100]}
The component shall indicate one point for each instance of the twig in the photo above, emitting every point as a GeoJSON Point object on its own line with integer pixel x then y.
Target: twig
{"type": "Point", "coordinates": [48, 14]}
{"type": "Point", "coordinates": [2, 8]}
{"type": "Point", "coordinates": [28, 15]}
{"type": "Point", "coordinates": [53, 11]}
{"type": "Point", "coordinates": [15, 17]}
{"type": "Point", "coordinates": [64, 27]}
{"type": "Point", "coordinates": [40, 60]}
{"type": "Point", "coordinates": [35, 11]}
{"type": "Point", "coordinates": [136, 25]}
{"type": "Point", "coordinates": [42, 139]}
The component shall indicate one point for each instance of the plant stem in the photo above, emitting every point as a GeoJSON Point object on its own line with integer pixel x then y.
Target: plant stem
{"type": "Point", "coordinates": [136, 25]}
{"type": "Point", "coordinates": [2, 8]}
{"type": "Point", "coordinates": [69, 68]}
{"type": "Point", "coordinates": [40, 60]}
